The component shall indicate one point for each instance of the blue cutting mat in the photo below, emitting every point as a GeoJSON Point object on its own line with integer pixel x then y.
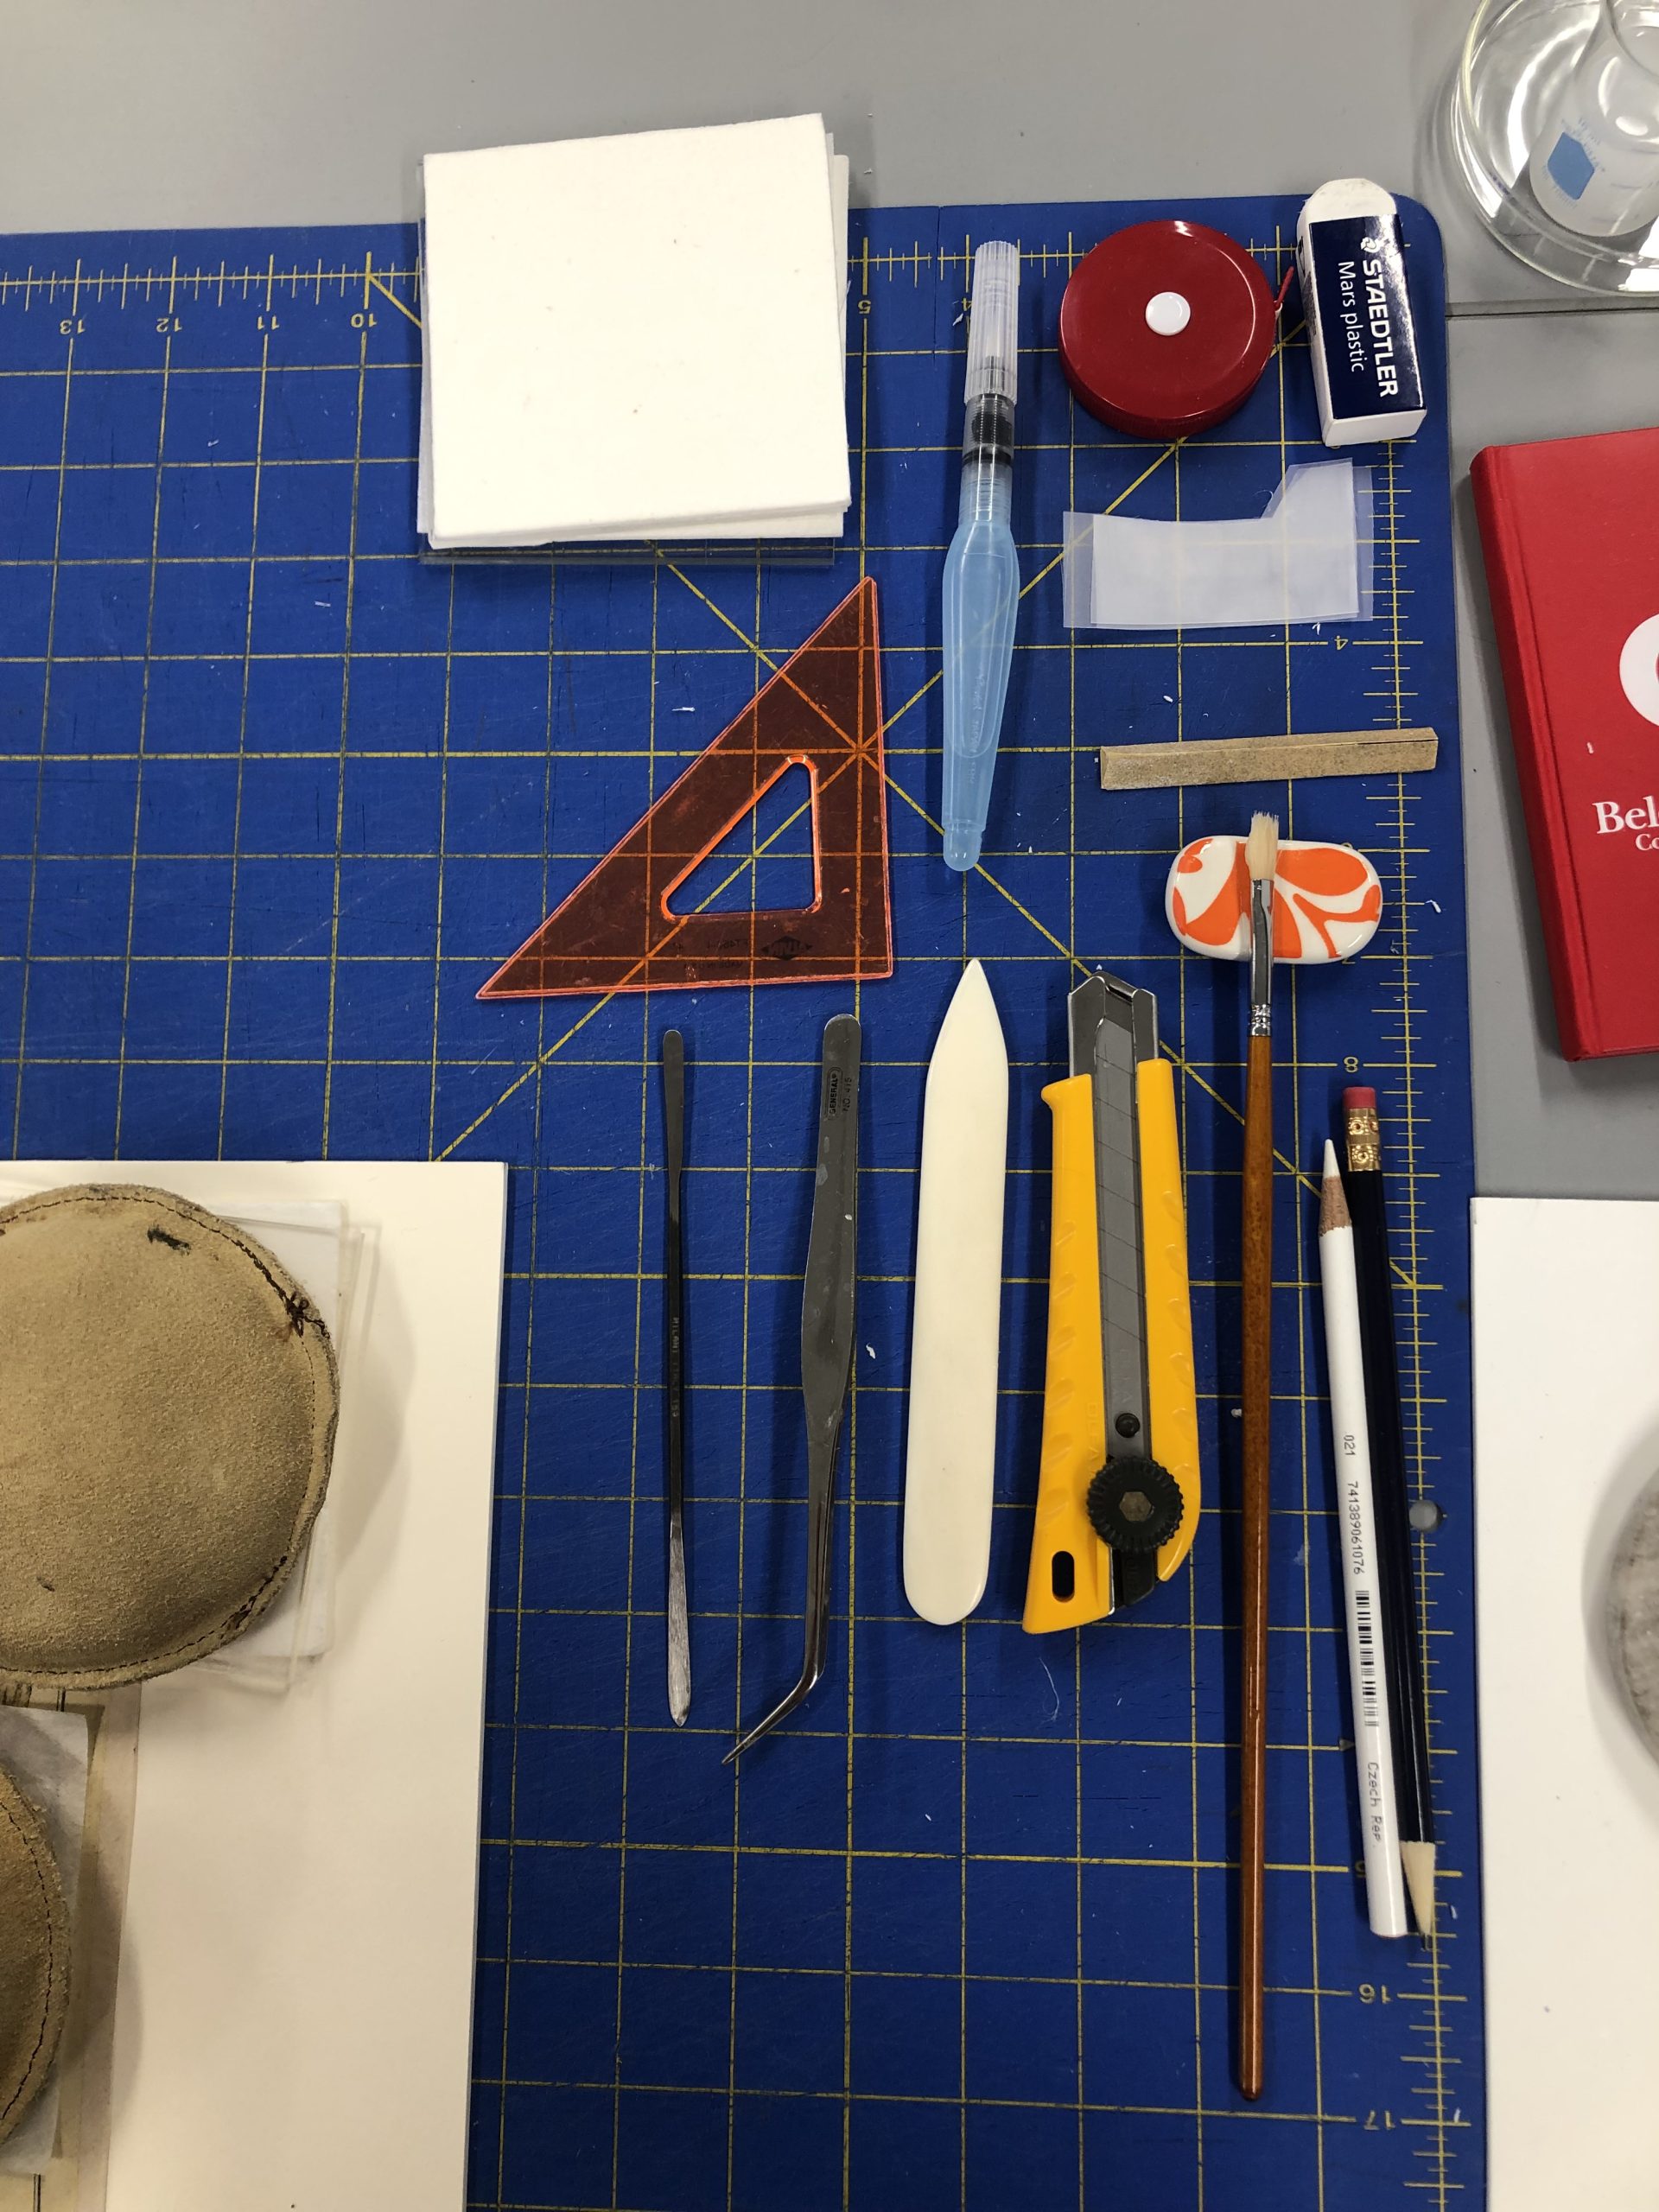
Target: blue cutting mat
{"type": "Point", "coordinates": [277, 797]}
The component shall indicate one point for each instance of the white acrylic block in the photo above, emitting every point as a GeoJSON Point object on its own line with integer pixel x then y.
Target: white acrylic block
{"type": "Point", "coordinates": [635, 332]}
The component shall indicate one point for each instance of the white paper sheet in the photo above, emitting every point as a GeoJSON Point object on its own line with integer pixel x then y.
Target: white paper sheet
{"type": "Point", "coordinates": [293, 2004]}
{"type": "Point", "coordinates": [1566, 1436]}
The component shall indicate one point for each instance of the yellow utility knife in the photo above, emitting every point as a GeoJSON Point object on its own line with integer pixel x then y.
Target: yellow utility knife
{"type": "Point", "coordinates": [1118, 1494]}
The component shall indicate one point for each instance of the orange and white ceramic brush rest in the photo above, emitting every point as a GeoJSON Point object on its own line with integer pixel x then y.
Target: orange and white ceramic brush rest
{"type": "Point", "coordinates": [1327, 901]}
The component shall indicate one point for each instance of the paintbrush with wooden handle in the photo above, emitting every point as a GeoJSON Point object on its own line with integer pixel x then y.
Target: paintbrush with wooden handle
{"type": "Point", "coordinates": [1261, 857]}
{"type": "Point", "coordinates": [1309, 904]}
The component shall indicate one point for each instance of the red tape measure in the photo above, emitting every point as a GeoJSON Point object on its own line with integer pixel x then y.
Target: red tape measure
{"type": "Point", "coordinates": [1166, 328]}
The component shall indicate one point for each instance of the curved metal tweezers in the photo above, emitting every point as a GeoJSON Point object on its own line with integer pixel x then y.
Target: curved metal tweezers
{"type": "Point", "coordinates": [826, 1343]}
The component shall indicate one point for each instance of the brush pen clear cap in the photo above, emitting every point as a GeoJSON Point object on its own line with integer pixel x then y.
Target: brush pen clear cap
{"type": "Point", "coordinates": [993, 323]}
{"type": "Point", "coordinates": [981, 568]}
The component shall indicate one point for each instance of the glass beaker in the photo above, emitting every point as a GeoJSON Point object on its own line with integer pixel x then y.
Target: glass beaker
{"type": "Point", "coordinates": [1596, 168]}
{"type": "Point", "coordinates": [1554, 126]}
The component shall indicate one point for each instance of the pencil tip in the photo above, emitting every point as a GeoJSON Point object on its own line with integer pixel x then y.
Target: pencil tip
{"type": "Point", "coordinates": [1333, 1199]}
{"type": "Point", "coordinates": [1417, 1861]}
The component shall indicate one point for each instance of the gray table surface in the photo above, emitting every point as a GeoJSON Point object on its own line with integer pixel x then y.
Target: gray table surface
{"type": "Point", "coordinates": [142, 113]}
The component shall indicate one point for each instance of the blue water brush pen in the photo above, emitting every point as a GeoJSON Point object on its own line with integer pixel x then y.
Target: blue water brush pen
{"type": "Point", "coordinates": [982, 569]}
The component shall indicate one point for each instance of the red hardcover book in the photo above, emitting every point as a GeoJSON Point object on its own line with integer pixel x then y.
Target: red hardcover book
{"type": "Point", "coordinates": [1571, 533]}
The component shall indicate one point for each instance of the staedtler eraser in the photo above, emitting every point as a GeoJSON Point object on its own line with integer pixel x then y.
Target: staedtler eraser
{"type": "Point", "coordinates": [1350, 257]}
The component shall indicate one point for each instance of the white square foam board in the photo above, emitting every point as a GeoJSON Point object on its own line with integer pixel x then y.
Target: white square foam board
{"type": "Point", "coordinates": [634, 334]}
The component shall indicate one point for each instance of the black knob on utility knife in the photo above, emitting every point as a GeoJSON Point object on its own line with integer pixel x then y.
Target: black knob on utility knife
{"type": "Point", "coordinates": [1134, 1505]}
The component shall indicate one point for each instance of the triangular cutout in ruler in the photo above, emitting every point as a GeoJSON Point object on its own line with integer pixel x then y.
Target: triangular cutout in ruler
{"type": "Point", "coordinates": [615, 933]}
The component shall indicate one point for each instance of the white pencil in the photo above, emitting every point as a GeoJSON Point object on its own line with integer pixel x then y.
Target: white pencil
{"type": "Point", "coordinates": [1373, 1745]}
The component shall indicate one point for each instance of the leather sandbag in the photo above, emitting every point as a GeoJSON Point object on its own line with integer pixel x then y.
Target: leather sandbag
{"type": "Point", "coordinates": [1633, 1613]}
{"type": "Point", "coordinates": [33, 1955]}
{"type": "Point", "coordinates": [169, 1395]}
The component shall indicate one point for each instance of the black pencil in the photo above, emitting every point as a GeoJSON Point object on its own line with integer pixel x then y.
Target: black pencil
{"type": "Point", "coordinates": [1403, 1655]}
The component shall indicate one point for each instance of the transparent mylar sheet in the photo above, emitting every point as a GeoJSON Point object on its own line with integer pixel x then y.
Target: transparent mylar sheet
{"type": "Point", "coordinates": [1306, 558]}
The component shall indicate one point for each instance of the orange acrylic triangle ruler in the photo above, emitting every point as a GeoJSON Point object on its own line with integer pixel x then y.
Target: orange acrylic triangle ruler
{"type": "Point", "coordinates": [822, 711]}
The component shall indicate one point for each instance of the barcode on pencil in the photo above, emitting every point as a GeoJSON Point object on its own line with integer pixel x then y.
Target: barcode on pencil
{"type": "Point", "coordinates": [1370, 1682]}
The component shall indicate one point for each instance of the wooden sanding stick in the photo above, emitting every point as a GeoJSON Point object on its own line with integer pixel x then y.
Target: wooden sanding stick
{"type": "Point", "coordinates": [1267, 760]}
